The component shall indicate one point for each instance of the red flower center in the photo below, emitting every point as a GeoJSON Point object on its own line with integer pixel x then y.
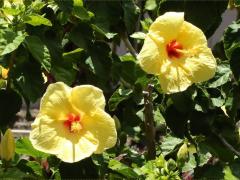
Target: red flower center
{"type": "Point", "coordinates": [173, 49]}
{"type": "Point", "coordinates": [73, 122]}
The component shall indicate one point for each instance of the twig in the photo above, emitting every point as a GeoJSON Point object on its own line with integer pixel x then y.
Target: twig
{"type": "Point", "coordinates": [10, 66]}
{"type": "Point", "coordinates": [226, 144]}
{"type": "Point", "coordinates": [149, 122]}
{"type": "Point", "coordinates": [129, 45]}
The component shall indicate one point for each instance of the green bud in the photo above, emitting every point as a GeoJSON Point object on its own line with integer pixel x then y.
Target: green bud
{"type": "Point", "coordinates": [182, 155]}
{"type": "Point", "coordinates": [7, 146]}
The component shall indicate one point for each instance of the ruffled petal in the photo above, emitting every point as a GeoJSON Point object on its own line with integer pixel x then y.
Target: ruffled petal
{"type": "Point", "coordinates": [152, 54]}
{"type": "Point", "coordinates": [53, 137]}
{"type": "Point", "coordinates": [191, 36]}
{"type": "Point", "coordinates": [73, 152]}
{"type": "Point", "coordinates": [174, 78]}
{"type": "Point", "coordinates": [55, 102]}
{"type": "Point", "coordinates": [203, 65]}
{"type": "Point", "coordinates": [102, 126]}
{"type": "Point", "coordinates": [168, 25]}
{"type": "Point", "coordinates": [44, 135]}
{"type": "Point", "coordinates": [87, 98]}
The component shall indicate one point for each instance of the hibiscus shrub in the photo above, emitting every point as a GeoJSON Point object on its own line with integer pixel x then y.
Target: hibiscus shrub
{"type": "Point", "coordinates": [127, 89]}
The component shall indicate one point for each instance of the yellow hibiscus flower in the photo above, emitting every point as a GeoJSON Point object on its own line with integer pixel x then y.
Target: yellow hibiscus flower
{"type": "Point", "coordinates": [72, 123]}
{"type": "Point", "coordinates": [176, 51]}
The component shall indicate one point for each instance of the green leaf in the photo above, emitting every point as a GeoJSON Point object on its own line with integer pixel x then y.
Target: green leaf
{"type": "Point", "coordinates": [190, 165]}
{"type": "Point", "coordinates": [81, 35]}
{"type": "Point", "coordinates": [29, 80]}
{"type": "Point", "coordinates": [39, 51]}
{"type": "Point", "coordinates": [218, 102]}
{"type": "Point", "coordinates": [118, 96]}
{"type": "Point", "coordinates": [228, 175]}
{"type": "Point", "coordinates": [108, 35]}
{"type": "Point", "coordinates": [36, 167]}
{"type": "Point", "coordinates": [11, 11]}
{"type": "Point", "coordinates": [36, 20]}
{"type": "Point", "coordinates": [122, 169]}
{"type": "Point", "coordinates": [150, 5]}
{"type": "Point", "coordinates": [79, 11]}
{"type": "Point", "coordinates": [204, 154]}
{"type": "Point", "coordinates": [130, 16]}
{"type": "Point", "coordinates": [231, 39]}
{"type": "Point", "coordinates": [221, 81]}
{"type": "Point", "coordinates": [24, 146]}
{"type": "Point", "coordinates": [64, 70]}
{"type": "Point", "coordinates": [13, 173]}
{"type": "Point", "coordinates": [235, 63]}
{"type": "Point", "coordinates": [138, 35]}
{"type": "Point", "coordinates": [169, 143]}
{"type": "Point", "coordinates": [14, 44]}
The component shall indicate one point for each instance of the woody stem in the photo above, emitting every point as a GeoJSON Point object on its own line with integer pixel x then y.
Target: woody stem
{"type": "Point", "coordinates": [149, 122]}
{"type": "Point", "coordinates": [129, 45]}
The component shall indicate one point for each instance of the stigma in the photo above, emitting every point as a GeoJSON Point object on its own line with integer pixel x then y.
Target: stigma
{"type": "Point", "coordinates": [174, 49]}
{"type": "Point", "coordinates": [73, 123]}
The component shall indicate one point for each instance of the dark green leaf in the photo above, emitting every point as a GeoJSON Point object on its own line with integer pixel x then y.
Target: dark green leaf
{"type": "Point", "coordinates": [118, 96]}
{"type": "Point", "coordinates": [130, 17]}
{"type": "Point", "coordinates": [39, 51]}
{"type": "Point", "coordinates": [235, 63]}
{"type": "Point", "coordinates": [232, 38]}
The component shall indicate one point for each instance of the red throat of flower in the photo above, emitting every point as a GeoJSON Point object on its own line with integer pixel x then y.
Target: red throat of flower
{"type": "Point", "coordinates": [173, 49]}
{"type": "Point", "coordinates": [73, 123]}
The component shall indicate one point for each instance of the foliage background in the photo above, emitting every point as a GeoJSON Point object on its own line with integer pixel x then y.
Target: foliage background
{"type": "Point", "coordinates": [75, 41]}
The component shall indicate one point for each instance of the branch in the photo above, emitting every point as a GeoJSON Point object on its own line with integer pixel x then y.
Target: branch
{"type": "Point", "coordinates": [129, 45]}
{"type": "Point", "coordinates": [149, 122]}
{"type": "Point", "coordinates": [227, 145]}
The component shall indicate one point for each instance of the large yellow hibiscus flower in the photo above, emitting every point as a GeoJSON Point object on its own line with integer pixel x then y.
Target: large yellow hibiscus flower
{"type": "Point", "coordinates": [176, 51]}
{"type": "Point", "coordinates": [72, 123]}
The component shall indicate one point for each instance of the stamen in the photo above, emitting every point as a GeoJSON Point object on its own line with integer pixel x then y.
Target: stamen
{"type": "Point", "coordinates": [174, 49]}
{"type": "Point", "coordinates": [73, 123]}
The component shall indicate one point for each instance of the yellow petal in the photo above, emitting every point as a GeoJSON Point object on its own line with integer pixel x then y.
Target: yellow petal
{"type": "Point", "coordinates": [73, 152]}
{"type": "Point", "coordinates": [4, 72]}
{"type": "Point", "coordinates": [191, 36]}
{"type": "Point", "coordinates": [175, 78]}
{"type": "Point", "coordinates": [203, 65]}
{"type": "Point", "coordinates": [102, 126]}
{"type": "Point", "coordinates": [55, 102]}
{"type": "Point", "coordinates": [53, 137]}
{"type": "Point", "coordinates": [44, 135]}
{"type": "Point", "coordinates": [168, 25]}
{"type": "Point", "coordinates": [87, 98]}
{"type": "Point", "coordinates": [152, 55]}
{"type": "Point", "coordinates": [7, 146]}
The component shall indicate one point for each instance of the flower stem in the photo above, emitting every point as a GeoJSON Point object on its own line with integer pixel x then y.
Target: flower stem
{"type": "Point", "coordinates": [149, 122]}
{"type": "Point", "coordinates": [129, 45]}
{"type": "Point", "coordinates": [226, 144]}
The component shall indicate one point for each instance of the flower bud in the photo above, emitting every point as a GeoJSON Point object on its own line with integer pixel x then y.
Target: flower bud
{"type": "Point", "coordinates": [7, 146]}
{"type": "Point", "coordinates": [182, 155]}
